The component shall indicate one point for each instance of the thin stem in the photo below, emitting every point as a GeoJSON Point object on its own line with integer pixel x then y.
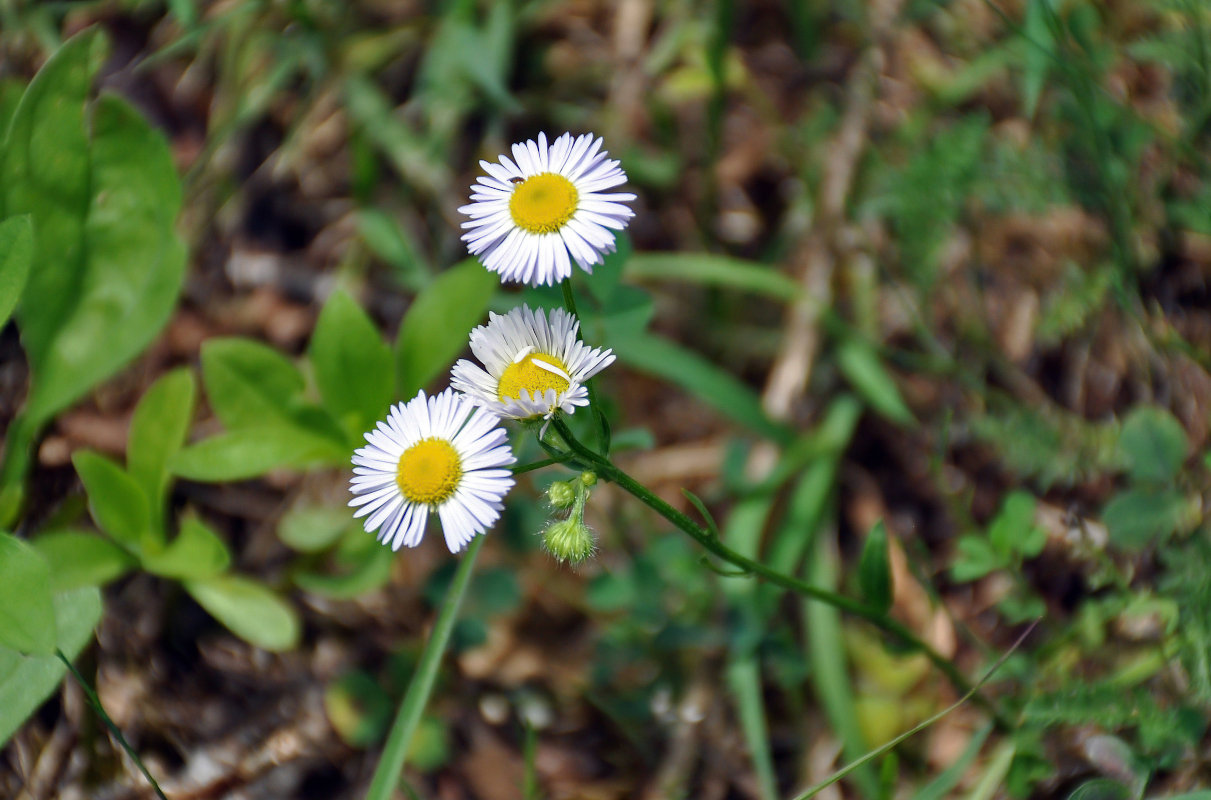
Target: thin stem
{"type": "Point", "coordinates": [603, 425]}
{"type": "Point", "coordinates": [95, 702]}
{"type": "Point", "coordinates": [607, 470]}
{"type": "Point", "coordinates": [519, 469]}
{"type": "Point", "coordinates": [395, 752]}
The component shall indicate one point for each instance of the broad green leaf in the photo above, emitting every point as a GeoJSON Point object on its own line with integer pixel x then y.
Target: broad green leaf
{"type": "Point", "coordinates": [80, 558]}
{"type": "Point", "coordinates": [436, 326]}
{"type": "Point", "coordinates": [860, 365]}
{"type": "Point", "coordinates": [1153, 445]}
{"type": "Point", "coordinates": [157, 431]}
{"type": "Point", "coordinates": [975, 559]}
{"type": "Point", "coordinates": [249, 384]}
{"type": "Point", "coordinates": [27, 612]}
{"type": "Point", "coordinates": [1138, 517]}
{"type": "Point", "coordinates": [11, 89]}
{"type": "Point", "coordinates": [310, 529]}
{"type": "Point", "coordinates": [353, 365]}
{"type": "Point", "coordinates": [874, 569]}
{"type": "Point", "coordinates": [713, 270]}
{"type": "Point", "coordinates": [372, 571]}
{"type": "Point", "coordinates": [665, 359]}
{"type": "Point", "coordinates": [16, 252]}
{"type": "Point", "coordinates": [1013, 529]}
{"type": "Point", "coordinates": [26, 681]}
{"type": "Point", "coordinates": [118, 505]}
{"type": "Point", "coordinates": [44, 172]}
{"type": "Point", "coordinates": [131, 269]}
{"type": "Point", "coordinates": [248, 609]}
{"type": "Point", "coordinates": [196, 553]}
{"type": "Point", "coordinates": [251, 452]}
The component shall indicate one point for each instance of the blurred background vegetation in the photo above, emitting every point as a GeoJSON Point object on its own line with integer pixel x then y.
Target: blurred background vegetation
{"type": "Point", "coordinates": [938, 263]}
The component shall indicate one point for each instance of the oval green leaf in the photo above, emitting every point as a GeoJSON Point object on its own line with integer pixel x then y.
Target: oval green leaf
{"type": "Point", "coordinates": [118, 504]}
{"type": "Point", "coordinates": [436, 326]}
{"type": "Point", "coordinates": [27, 612]}
{"type": "Point", "coordinates": [80, 558]}
{"type": "Point", "coordinates": [353, 365]}
{"type": "Point", "coordinates": [248, 609]}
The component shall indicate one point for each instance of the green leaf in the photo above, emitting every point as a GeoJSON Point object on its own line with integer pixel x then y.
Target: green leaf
{"type": "Point", "coordinates": [197, 552]}
{"type": "Point", "coordinates": [358, 708]}
{"type": "Point", "coordinates": [1101, 789]}
{"type": "Point", "coordinates": [80, 558]}
{"type": "Point", "coordinates": [1013, 530]}
{"type": "Point", "coordinates": [157, 431]}
{"type": "Point", "coordinates": [118, 504]}
{"type": "Point", "coordinates": [1138, 517]}
{"type": "Point", "coordinates": [874, 569]}
{"type": "Point", "coordinates": [435, 328]}
{"type": "Point", "coordinates": [44, 171]}
{"type": "Point", "coordinates": [132, 263]}
{"type": "Point", "coordinates": [26, 681]}
{"type": "Point", "coordinates": [251, 452]}
{"type": "Point", "coordinates": [664, 359]}
{"type": "Point", "coordinates": [712, 270]}
{"type": "Point", "coordinates": [27, 612]}
{"type": "Point", "coordinates": [387, 239]}
{"type": "Point", "coordinates": [1038, 52]}
{"type": "Point", "coordinates": [310, 529]}
{"type": "Point", "coordinates": [353, 365]}
{"type": "Point", "coordinates": [249, 384]}
{"type": "Point", "coordinates": [1153, 445]}
{"type": "Point", "coordinates": [248, 609]}
{"type": "Point", "coordinates": [860, 365]}
{"type": "Point", "coordinates": [16, 252]}
{"type": "Point", "coordinates": [976, 558]}
{"type": "Point", "coordinates": [362, 566]}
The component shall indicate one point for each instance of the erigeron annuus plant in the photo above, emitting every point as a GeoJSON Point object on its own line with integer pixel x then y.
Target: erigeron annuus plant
{"type": "Point", "coordinates": [532, 217]}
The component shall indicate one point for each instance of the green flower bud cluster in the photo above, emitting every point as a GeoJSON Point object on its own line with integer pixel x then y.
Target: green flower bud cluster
{"type": "Point", "coordinates": [569, 539]}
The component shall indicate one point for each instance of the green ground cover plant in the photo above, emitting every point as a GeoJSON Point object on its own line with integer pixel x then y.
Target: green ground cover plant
{"type": "Point", "coordinates": [833, 421]}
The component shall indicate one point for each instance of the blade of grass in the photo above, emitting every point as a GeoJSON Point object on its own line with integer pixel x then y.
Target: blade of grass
{"type": "Point", "coordinates": [945, 782]}
{"type": "Point", "coordinates": [743, 674]}
{"type": "Point", "coordinates": [826, 652]}
{"type": "Point", "coordinates": [941, 786]}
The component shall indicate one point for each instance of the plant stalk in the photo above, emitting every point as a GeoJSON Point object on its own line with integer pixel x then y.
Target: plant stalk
{"type": "Point", "coordinates": [395, 752]}
{"type": "Point", "coordinates": [606, 469]}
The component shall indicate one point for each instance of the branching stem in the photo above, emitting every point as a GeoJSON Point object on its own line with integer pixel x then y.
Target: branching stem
{"type": "Point", "coordinates": [607, 470]}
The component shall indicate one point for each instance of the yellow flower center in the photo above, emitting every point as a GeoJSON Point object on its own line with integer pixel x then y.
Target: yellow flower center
{"type": "Point", "coordinates": [429, 471]}
{"type": "Point", "coordinates": [543, 203]}
{"type": "Point", "coordinates": [535, 373]}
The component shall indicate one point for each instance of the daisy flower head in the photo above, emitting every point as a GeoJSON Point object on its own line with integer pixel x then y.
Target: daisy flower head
{"type": "Point", "coordinates": [432, 454]}
{"type": "Point", "coordinates": [533, 364]}
{"type": "Point", "coordinates": [534, 214]}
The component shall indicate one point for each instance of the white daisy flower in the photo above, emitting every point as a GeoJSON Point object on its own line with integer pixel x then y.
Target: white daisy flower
{"type": "Point", "coordinates": [533, 365]}
{"type": "Point", "coordinates": [432, 454]}
{"type": "Point", "coordinates": [533, 215]}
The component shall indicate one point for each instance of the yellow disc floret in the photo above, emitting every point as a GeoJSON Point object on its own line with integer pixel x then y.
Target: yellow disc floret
{"type": "Point", "coordinates": [543, 203]}
{"type": "Point", "coordinates": [429, 471]}
{"type": "Point", "coordinates": [535, 373]}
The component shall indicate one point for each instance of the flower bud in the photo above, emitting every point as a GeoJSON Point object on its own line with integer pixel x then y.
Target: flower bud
{"type": "Point", "coordinates": [561, 494]}
{"type": "Point", "coordinates": [569, 540]}
{"type": "Point", "coordinates": [588, 479]}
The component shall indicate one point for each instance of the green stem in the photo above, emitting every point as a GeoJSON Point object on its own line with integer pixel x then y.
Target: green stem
{"type": "Point", "coordinates": [395, 752]}
{"type": "Point", "coordinates": [607, 470]}
{"type": "Point", "coordinates": [95, 702]}
{"type": "Point", "coordinates": [603, 425]}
